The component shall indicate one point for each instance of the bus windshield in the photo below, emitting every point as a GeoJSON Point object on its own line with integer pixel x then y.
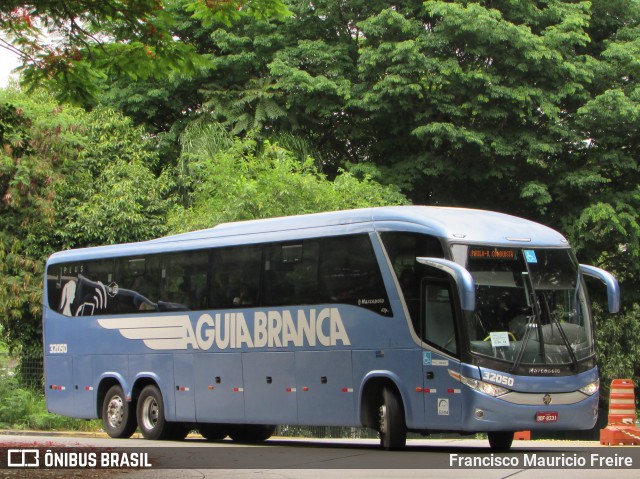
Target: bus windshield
{"type": "Point", "coordinates": [530, 306]}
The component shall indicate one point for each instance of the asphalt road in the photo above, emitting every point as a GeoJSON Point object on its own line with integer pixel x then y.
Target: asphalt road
{"type": "Point", "coordinates": [281, 458]}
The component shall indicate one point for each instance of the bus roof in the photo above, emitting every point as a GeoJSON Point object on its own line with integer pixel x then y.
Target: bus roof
{"type": "Point", "coordinates": [452, 224]}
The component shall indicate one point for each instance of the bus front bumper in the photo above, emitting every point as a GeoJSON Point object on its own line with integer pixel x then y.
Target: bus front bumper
{"type": "Point", "coordinates": [487, 413]}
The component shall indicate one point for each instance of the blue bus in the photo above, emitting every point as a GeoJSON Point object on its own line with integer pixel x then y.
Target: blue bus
{"type": "Point", "coordinates": [410, 318]}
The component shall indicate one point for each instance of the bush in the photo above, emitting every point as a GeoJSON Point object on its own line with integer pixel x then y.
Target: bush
{"type": "Point", "coordinates": [23, 406]}
{"type": "Point", "coordinates": [26, 409]}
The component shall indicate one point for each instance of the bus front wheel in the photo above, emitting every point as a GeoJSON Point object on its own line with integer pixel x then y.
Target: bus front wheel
{"type": "Point", "coordinates": [501, 440]}
{"type": "Point", "coordinates": [118, 417]}
{"type": "Point", "coordinates": [392, 427]}
{"type": "Point", "coordinates": [150, 414]}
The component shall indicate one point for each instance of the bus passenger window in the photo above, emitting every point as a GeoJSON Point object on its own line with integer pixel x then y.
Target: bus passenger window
{"type": "Point", "coordinates": [184, 281]}
{"type": "Point", "coordinates": [236, 276]}
{"type": "Point", "coordinates": [402, 249]}
{"type": "Point", "coordinates": [138, 282]}
{"type": "Point", "coordinates": [81, 289]}
{"type": "Point", "coordinates": [290, 274]}
{"type": "Point", "coordinates": [350, 274]}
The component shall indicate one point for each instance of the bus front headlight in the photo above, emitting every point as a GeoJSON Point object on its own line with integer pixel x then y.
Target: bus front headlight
{"type": "Point", "coordinates": [485, 388]}
{"type": "Point", "coordinates": [591, 388]}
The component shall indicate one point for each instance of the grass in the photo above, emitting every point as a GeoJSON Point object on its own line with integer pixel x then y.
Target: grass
{"type": "Point", "coordinates": [23, 407]}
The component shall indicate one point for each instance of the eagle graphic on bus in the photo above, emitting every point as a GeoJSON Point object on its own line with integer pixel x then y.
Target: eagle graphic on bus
{"type": "Point", "coordinates": [95, 300]}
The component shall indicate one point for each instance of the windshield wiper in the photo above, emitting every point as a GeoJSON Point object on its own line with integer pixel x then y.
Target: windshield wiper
{"type": "Point", "coordinates": [527, 332]}
{"type": "Point", "coordinates": [536, 317]}
{"type": "Point", "coordinates": [533, 320]}
{"type": "Point", "coordinates": [563, 335]}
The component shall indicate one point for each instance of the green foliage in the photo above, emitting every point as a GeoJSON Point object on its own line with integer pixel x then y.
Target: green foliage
{"type": "Point", "coordinates": [24, 187]}
{"type": "Point", "coordinates": [68, 179]}
{"type": "Point", "coordinates": [525, 107]}
{"type": "Point", "coordinates": [475, 94]}
{"type": "Point", "coordinates": [228, 12]}
{"type": "Point", "coordinates": [618, 347]}
{"type": "Point", "coordinates": [125, 204]}
{"type": "Point", "coordinates": [530, 108]}
{"type": "Point", "coordinates": [232, 179]}
{"type": "Point", "coordinates": [252, 108]}
{"type": "Point", "coordinates": [76, 45]}
{"type": "Point", "coordinates": [22, 408]}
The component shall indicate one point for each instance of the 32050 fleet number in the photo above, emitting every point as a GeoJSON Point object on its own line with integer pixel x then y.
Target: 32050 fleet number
{"type": "Point", "coordinates": [57, 349]}
{"type": "Point", "coordinates": [497, 378]}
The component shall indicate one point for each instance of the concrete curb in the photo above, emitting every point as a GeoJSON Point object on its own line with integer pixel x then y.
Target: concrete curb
{"type": "Point", "coordinates": [29, 432]}
{"type": "Point", "coordinates": [90, 434]}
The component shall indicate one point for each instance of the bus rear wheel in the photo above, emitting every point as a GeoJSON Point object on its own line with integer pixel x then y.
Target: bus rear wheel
{"type": "Point", "coordinates": [251, 433]}
{"type": "Point", "coordinates": [118, 418]}
{"type": "Point", "coordinates": [150, 414]}
{"type": "Point", "coordinates": [212, 432]}
{"type": "Point", "coordinates": [501, 440]}
{"type": "Point", "coordinates": [392, 427]}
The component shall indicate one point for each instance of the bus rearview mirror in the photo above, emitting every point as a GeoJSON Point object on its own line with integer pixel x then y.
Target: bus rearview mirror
{"type": "Point", "coordinates": [613, 288]}
{"type": "Point", "coordinates": [462, 277]}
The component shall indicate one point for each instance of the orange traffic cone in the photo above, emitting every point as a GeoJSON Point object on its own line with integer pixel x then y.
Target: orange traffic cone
{"type": "Point", "coordinates": [621, 427]}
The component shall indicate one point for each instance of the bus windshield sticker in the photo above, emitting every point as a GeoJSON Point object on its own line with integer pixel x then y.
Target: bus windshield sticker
{"type": "Point", "coordinates": [530, 256]}
{"type": "Point", "coordinates": [499, 339]}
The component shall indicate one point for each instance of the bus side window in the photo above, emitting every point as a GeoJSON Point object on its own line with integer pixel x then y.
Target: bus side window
{"type": "Point", "coordinates": [184, 281]}
{"type": "Point", "coordinates": [81, 289]}
{"type": "Point", "coordinates": [350, 274]}
{"type": "Point", "coordinates": [403, 248]}
{"type": "Point", "coordinates": [138, 280]}
{"type": "Point", "coordinates": [439, 316]}
{"type": "Point", "coordinates": [290, 274]}
{"type": "Point", "coordinates": [236, 276]}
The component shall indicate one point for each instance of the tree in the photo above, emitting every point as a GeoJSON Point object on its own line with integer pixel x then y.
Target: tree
{"type": "Point", "coordinates": [68, 179]}
{"type": "Point", "coordinates": [598, 184]}
{"type": "Point", "coordinates": [74, 45]}
{"type": "Point", "coordinates": [231, 179]}
{"type": "Point", "coordinates": [21, 186]}
{"type": "Point", "coordinates": [523, 107]}
{"type": "Point", "coordinates": [618, 347]}
{"type": "Point", "coordinates": [72, 178]}
{"type": "Point", "coordinates": [478, 93]}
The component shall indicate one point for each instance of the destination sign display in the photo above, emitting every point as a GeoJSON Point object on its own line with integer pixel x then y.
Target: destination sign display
{"type": "Point", "coordinates": [487, 252]}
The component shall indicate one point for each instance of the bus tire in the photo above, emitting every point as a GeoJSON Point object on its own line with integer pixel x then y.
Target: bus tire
{"type": "Point", "coordinates": [150, 412]}
{"type": "Point", "coordinates": [250, 433]}
{"type": "Point", "coordinates": [118, 417]}
{"type": "Point", "coordinates": [262, 433]}
{"type": "Point", "coordinates": [500, 440]}
{"type": "Point", "coordinates": [176, 431]}
{"type": "Point", "coordinates": [392, 426]}
{"type": "Point", "coordinates": [212, 432]}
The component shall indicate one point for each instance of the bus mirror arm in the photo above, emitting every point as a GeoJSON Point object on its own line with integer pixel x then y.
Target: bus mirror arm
{"type": "Point", "coordinates": [462, 277]}
{"type": "Point", "coordinates": [613, 288]}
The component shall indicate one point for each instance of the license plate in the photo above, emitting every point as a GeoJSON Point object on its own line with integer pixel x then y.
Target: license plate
{"type": "Point", "coordinates": [546, 417]}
